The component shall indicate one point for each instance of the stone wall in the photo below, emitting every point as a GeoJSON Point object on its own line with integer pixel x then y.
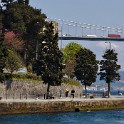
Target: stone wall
{"type": "Point", "coordinates": [29, 89]}
{"type": "Point", "coordinates": [58, 106]}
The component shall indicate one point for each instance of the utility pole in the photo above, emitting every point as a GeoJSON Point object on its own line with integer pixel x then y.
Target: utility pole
{"type": "Point", "coordinates": [61, 39]}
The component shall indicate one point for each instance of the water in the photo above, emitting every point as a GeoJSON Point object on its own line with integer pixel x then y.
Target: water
{"type": "Point", "coordinates": [95, 117]}
{"type": "Point", "coordinates": [112, 92]}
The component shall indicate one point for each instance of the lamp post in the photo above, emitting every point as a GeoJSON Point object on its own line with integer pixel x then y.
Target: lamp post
{"type": "Point", "coordinates": [76, 28]}
{"type": "Point", "coordinates": [37, 42]}
{"type": "Point", "coordinates": [61, 38]}
{"type": "Point", "coordinates": [37, 50]}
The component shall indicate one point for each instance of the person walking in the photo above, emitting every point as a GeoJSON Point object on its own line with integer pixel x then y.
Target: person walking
{"type": "Point", "coordinates": [72, 93]}
{"type": "Point", "coordinates": [66, 93]}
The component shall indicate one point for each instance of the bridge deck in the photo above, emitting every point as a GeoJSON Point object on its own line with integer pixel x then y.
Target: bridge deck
{"type": "Point", "coordinates": [91, 38]}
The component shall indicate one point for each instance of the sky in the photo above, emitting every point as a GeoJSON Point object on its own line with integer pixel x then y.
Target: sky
{"type": "Point", "coordinates": [109, 13]}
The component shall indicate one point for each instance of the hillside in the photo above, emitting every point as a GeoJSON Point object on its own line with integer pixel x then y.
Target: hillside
{"type": "Point", "coordinates": [122, 75]}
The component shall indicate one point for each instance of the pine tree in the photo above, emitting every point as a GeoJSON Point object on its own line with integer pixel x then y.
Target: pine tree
{"type": "Point", "coordinates": [109, 68]}
{"type": "Point", "coordinates": [49, 64]}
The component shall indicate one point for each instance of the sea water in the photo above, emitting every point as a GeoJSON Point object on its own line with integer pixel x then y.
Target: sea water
{"type": "Point", "coordinates": [90, 117]}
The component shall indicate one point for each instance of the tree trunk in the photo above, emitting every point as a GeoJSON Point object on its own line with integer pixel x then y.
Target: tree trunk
{"type": "Point", "coordinates": [48, 91]}
{"type": "Point", "coordinates": [85, 90]}
{"type": "Point", "coordinates": [108, 89]}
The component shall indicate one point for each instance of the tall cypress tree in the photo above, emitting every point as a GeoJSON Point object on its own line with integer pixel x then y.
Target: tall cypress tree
{"type": "Point", "coordinates": [49, 64]}
{"type": "Point", "coordinates": [109, 68]}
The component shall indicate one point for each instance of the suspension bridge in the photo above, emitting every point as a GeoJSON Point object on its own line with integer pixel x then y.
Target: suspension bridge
{"type": "Point", "coordinates": [71, 30]}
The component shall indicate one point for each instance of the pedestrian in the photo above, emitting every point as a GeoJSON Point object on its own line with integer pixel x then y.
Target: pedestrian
{"type": "Point", "coordinates": [72, 93]}
{"type": "Point", "coordinates": [119, 93]}
{"type": "Point", "coordinates": [66, 93]}
{"type": "Point", "coordinates": [38, 96]}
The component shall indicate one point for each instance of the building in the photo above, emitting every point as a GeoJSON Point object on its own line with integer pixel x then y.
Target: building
{"type": "Point", "coordinates": [55, 24]}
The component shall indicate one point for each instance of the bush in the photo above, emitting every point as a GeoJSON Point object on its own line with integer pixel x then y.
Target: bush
{"type": "Point", "coordinates": [70, 81]}
{"type": "Point", "coordinates": [22, 76]}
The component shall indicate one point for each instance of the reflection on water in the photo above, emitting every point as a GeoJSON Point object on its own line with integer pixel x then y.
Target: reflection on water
{"type": "Point", "coordinates": [95, 117]}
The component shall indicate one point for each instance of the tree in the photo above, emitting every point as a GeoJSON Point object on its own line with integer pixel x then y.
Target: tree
{"type": "Point", "coordinates": [86, 67]}
{"type": "Point", "coordinates": [15, 62]}
{"type": "Point", "coordinates": [70, 50]}
{"type": "Point", "coordinates": [3, 55]}
{"type": "Point", "coordinates": [69, 57]}
{"type": "Point", "coordinates": [3, 49]}
{"type": "Point", "coordinates": [109, 68]}
{"type": "Point", "coordinates": [1, 19]}
{"type": "Point", "coordinates": [27, 2]}
{"type": "Point", "coordinates": [14, 41]}
{"type": "Point", "coordinates": [49, 63]}
{"type": "Point", "coordinates": [26, 21]}
{"type": "Point", "coordinates": [20, 1]}
{"type": "Point", "coordinates": [23, 1]}
{"type": "Point", "coordinates": [7, 1]}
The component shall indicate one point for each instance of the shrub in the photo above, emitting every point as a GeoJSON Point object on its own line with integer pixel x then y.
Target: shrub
{"type": "Point", "coordinates": [70, 81]}
{"type": "Point", "coordinates": [22, 76]}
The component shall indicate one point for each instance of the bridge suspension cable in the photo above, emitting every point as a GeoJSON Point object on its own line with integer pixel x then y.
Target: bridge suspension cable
{"type": "Point", "coordinates": [77, 29]}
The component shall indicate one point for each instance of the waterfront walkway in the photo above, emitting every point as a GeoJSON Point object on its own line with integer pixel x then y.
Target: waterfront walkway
{"type": "Point", "coordinates": [115, 97]}
{"type": "Point", "coordinates": [21, 106]}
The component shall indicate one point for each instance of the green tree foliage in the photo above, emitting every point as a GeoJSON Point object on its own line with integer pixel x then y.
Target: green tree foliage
{"type": "Point", "coordinates": [70, 50]}
{"type": "Point", "coordinates": [7, 1]}
{"type": "Point", "coordinates": [26, 21]}
{"type": "Point", "coordinates": [109, 68]}
{"type": "Point", "coordinates": [49, 63]}
{"type": "Point", "coordinates": [26, 1]}
{"type": "Point", "coordinates": [3, 50]}
{"type": "Point", "coordinates": [1, 19]}
{"type": "Point", "coordinates": [20, 1]}
{"type": "Point", "coordinates": [3, 55]}
{"type": "Point", "coordinates": [13, 61]}
{"type": "Point", "coordinates": [21, 18]}
{"type": "Point", "coordinates": [86, 67]}
{"type": "Point", "coordinates": [1, 26]}
{"type": "Point", "coordinates": [23, 1]}
{"type": "Point", "coordinates": [69, 57]}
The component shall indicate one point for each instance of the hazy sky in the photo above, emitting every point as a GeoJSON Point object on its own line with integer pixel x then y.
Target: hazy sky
{"type": "Point", "coordinates": [98, 12]}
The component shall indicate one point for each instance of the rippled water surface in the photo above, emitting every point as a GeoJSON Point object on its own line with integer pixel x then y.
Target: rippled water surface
{"type": "Point", "coordinates": [96, 117]}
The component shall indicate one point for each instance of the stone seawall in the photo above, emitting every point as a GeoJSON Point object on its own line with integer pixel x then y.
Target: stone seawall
{"type": "Point", "coordinates": [29, 89]}
{"type": "Point", "coordinates": [58, 105]}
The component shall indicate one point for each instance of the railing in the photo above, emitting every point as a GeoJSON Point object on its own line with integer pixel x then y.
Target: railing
{"type": "Point", "coordinates": [53, 96]}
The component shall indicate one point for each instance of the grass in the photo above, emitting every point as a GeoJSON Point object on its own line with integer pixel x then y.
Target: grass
{"type": "Point", "coordinates": [35, 78]}
{"type": "Point", "coordinates": [70, 81]}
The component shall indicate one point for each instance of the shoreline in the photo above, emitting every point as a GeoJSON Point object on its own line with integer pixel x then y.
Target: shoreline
{"type": "Point", "coordinates": [16, 106]}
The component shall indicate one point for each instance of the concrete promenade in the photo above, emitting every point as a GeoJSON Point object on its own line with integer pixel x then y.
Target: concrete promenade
{"type": "Point", "coordinates": [22, 106]}
{"type": "Point", "coordinates": [115, 97]}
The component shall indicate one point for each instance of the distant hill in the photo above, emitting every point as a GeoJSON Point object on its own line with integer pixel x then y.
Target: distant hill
{"type": "Point", "coordinates": [102, 83]}
{"type": "Point", "coordinates": [121, 75]}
